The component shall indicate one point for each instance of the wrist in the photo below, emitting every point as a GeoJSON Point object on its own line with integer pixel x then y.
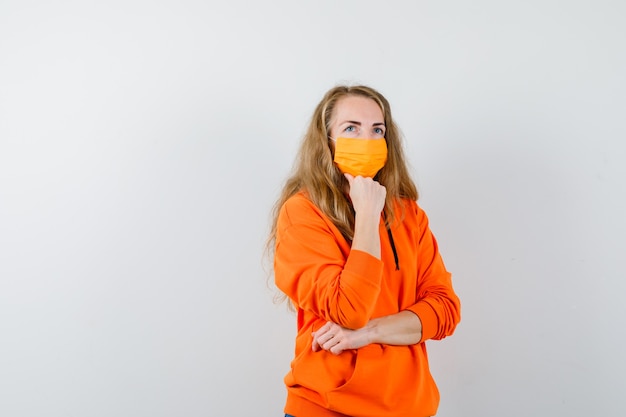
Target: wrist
{"type": "Point", "coordinates": [367, 236]}
{"type": "Point", "coordinates": [372, 331]}
{"type": "Point", "coordinates": [368, 215]}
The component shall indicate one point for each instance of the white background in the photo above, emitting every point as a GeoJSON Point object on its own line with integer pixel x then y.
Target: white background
{"type": "Point", "coordinates": [143, 143]}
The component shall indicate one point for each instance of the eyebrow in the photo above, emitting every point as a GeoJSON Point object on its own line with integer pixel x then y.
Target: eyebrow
{"type": "Point", "coordinates": [354, 122]}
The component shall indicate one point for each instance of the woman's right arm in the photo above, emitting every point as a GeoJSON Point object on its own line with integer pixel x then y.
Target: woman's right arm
{"type": "Point", "coordinates": [316, 267]}
{"type": "Point", "coordinates": [368, 200]}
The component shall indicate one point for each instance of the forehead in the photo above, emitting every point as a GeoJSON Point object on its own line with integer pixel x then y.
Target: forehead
{"type": "Point", "coordinates": [357, 108]}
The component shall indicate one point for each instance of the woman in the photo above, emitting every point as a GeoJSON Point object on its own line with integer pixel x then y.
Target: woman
{"type": "Point", "coordinates": [354, 254]}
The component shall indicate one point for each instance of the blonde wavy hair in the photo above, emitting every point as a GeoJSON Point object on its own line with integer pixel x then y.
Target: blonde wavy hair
{"type": "Point", "coordinates": [316, 174]}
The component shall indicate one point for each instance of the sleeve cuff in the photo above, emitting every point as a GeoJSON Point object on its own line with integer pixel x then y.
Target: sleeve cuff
{"type": "Point", "coordinates": [428, 317]}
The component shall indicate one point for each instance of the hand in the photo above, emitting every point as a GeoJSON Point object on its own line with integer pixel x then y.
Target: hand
{"type": "Point", "coordinates": [335, 339]}
{"type": "Point", "coordinates": [367, 195]}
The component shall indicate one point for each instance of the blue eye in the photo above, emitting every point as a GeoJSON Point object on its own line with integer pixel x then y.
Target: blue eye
{"type": "Point", "coordinates": [349, 129]}
{"type": "Point", "coordinates": [379, 131]}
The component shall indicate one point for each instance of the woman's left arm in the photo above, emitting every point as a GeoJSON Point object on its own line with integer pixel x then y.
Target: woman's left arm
{"type": "Point", "coordinates": [403, 328]}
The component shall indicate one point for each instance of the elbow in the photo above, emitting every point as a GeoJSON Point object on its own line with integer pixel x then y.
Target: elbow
{"type": "Point", "coordinates": [351, 309]}
{"type": "Point", "coordinates": [352, 318]}
{"type": "Point", "coordinates": [354, 323]}
{"type": "Point", "coordinates": [439, 317]}
{"type": "Point", "coordinates": [450, 318]}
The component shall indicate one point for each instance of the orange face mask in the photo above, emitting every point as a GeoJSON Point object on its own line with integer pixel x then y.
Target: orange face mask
{"type": "Point", "coordinates": [364, 157]}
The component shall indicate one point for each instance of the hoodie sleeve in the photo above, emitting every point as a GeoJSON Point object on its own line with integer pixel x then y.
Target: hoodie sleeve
{"type": "Point", "coordinates": [437, 306]}
{"type": "Point", "coordinates": [314, 266]}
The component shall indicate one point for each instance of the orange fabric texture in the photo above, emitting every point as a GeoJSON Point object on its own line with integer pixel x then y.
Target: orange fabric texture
{"type": "Point", "coordinates": [315, 267]}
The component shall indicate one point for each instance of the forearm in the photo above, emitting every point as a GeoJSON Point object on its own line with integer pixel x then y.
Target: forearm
{"type": "Point", "coordinates": [367, 235]}
{"type": "Point", "coordinates": [368, 200]}
{"type": "Point", "coordinates": [401, 329]}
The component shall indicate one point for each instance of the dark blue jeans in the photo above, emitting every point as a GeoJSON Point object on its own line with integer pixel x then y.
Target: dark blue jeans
{"type": "Point", "coordinates": [288, 415]}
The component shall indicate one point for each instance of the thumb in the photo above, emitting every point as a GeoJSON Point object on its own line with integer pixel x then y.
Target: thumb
{"type": "Point", "coordinates": [349, 177]}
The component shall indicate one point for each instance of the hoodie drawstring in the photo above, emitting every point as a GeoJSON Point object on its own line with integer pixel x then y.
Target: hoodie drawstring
{"type": "Point", "coordinates": [393, 245]}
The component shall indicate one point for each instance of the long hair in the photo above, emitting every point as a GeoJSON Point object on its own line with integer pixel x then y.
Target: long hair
{"type": "Point", "coordinates": [316, 174]}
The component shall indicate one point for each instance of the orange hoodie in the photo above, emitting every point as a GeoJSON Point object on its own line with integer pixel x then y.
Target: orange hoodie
{"type": "Point", "coordinates": [326, 281]}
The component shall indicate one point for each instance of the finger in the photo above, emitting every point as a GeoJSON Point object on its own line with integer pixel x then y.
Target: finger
{"type": "Point", "coordinates": [326, 333]}
{"type": "Point", "coordinates": [349, 177]}
{"type": "Point", "coordinates": [332, 338]}
{"type": "Point", "coordinates": [337, 349]}
{"type": "Point", "coordinates": [319, 338]}
{"type": "Point", "coordinates": [325, 338]}
{"type": "Point", "coordinates": [330, 344]}
{"type": "Point", "coordinates": [320, 332]}
{"type": "Point", "coordinates": [322, 329]}
{"type": "Point", "coordinates": [318, 341]}
{"type": "Point", "coordinates": [313, 337]}
{"type": "Point", "coordinates": [315, 346]}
